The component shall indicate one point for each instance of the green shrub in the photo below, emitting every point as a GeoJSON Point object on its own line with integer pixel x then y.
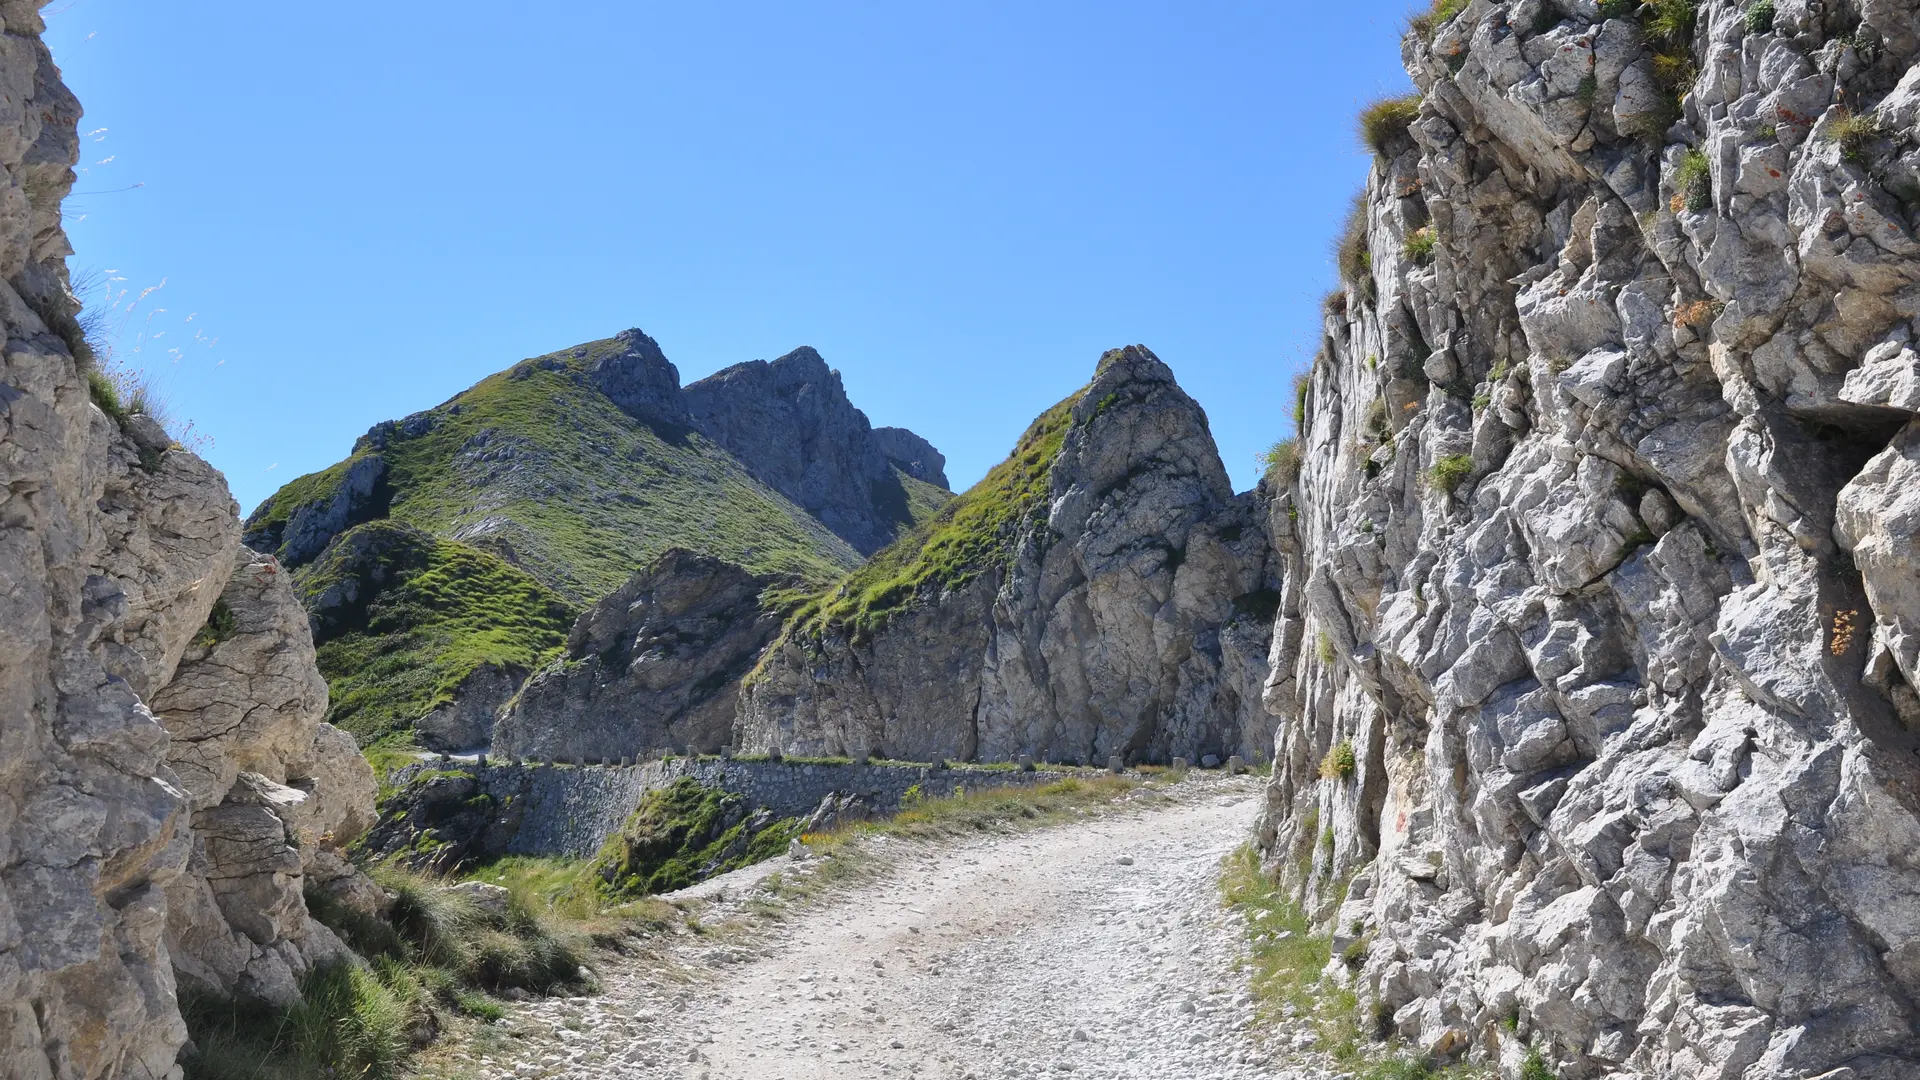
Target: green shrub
{"type": "Point", "coordinates": [1387, 120]}
{"type": "Point", "coordinates": [1760, 17]}
{"type": "Point", "coordinates": [1693, 182]}
{"type": "Point", "coordinates": [1340, 762]}
{"type": "Point", "coordinates": [1670, 23]}
{"type": "Point", "coordinates": [1450, 472]}
{"type": "Point", "coordinates": [682, 834]}
{"type": "Point", "coordinates": [1535, 1067]}
{"type": "Point", "coordinates": [1420, 244]}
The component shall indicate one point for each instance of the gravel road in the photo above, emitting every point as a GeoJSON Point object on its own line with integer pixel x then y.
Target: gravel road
{"type": "Point", "coordinates": [1092, 949]}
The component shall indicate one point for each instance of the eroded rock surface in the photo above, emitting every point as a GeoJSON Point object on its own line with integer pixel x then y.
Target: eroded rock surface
{"type": "Point", "coordinates": [1123, 609]}
{"type": "Point", "coordinates": [656, 665]}
{"type": "Point", "coordinates": [1599, 563]}
{"type": "Point", "coordinates": [115, 547]}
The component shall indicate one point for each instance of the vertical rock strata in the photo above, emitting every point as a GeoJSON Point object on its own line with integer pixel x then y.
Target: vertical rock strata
{"type": "Point", "coordinates": [1119, 606]}
{"type": "Point", "coordinates": [1601, 558]}
{"type": "Point", "coordinates": [115, 546]}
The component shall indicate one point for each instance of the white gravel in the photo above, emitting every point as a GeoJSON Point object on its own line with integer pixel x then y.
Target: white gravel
{"type": "Point", "coordinates": [1094, 949]}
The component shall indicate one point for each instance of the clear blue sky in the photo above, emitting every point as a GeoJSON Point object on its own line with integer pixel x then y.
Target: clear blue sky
{"type": "Point", "coordinates": [959, 205]}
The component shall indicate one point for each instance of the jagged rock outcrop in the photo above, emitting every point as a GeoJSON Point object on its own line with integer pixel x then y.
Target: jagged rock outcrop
{"type": "Point", "coordinates": [656, 665]}
{"type": "Point", "coordinates": [791, 423]}
{"type": "Point", "coordinates": [912, 455]}
{"type": "Point", "coordinates": [1599, 558]}
{"type": "Point", "coordinates": [1102, 592]}
{"type": "Point", "coordinates": [116, 548]}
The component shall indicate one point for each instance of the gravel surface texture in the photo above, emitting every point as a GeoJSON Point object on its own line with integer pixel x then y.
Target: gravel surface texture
{"type": "Point", "coordinates": [1097, 948]}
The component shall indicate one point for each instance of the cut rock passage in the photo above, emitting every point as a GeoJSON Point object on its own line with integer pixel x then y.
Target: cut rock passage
{"type": "Point", "coordinates": [1096, 949]}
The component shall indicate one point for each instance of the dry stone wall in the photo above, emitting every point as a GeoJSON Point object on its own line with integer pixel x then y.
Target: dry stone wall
{"type": "Point", "coordinates": [542, 809]}
{"type": "Point", "coordinates": [1600, 555]}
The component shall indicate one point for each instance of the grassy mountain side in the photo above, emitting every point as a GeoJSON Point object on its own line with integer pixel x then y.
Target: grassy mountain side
{"type": "Point", "coordinates": [965, 537]}
{"type": "Point", "coordinates": [538, 466]}
{"type": "Point", "coordinates": [403, 617]}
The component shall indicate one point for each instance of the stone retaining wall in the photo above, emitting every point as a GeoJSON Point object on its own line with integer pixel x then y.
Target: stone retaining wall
{"type": "Point", "coordinates": [571, 810]}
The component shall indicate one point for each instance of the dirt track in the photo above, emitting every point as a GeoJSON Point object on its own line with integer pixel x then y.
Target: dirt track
{"type": "Point", "coordinates": [1096, 948]}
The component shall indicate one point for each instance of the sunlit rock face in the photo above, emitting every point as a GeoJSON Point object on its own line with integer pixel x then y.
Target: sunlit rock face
{"type": "Point", "coordinates": [1601, 555]}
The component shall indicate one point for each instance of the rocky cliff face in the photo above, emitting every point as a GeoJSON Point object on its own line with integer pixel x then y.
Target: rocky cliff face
{"type": "Point", "coordinates": [1593, 665]}
{"type": "Point", "coordinates": [791, 423]}
{"type": "Point", "coordinates": [128, 593]}
{"type": "Point", "coordinates": [1102, 592]}
{"type": "Point", "coordinates": [655, 665]}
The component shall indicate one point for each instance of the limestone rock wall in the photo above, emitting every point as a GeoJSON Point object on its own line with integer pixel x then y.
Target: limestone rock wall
{"type": "Point", "coordinates": [1600, 560]}
{"type": "Point", "coordinates": [1131, 617]}
{"type": "Point", "coordinates": [655, 665]}
{"type": "Point", "coordinates": [115, 547]}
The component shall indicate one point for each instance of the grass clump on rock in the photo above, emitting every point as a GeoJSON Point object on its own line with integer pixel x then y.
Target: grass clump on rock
{"type": "Point", "coordinates": [1420, 245]}
{"type": "Point", "coordinates": [1426, 22]}
{"type": "Point", "coordinates": [1450, 472]}
{"type": "Point", "coordinates": [1386, 121]}
{"type": "Point", "coordinates": [1693, 183]}
{"type": "Point", "coordinates": [1340, 762]}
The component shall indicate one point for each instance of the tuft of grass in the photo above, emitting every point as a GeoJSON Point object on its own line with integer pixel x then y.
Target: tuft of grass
{"type": "Point", "coordinates": [1759, 17]}
{"type": "Point", "coordinates": [1340, 762]}
{"type": "Point", "coordinates": [1535, 1067]}
{"type": "Point", "coordinates": [1669, 24]}
{"type": "Point", "coordinates": [1323, 647]}
{"type": "Point", "coordinates": [1350, 252]}
{"type": "Point", "coordinates": [107, 396]}
{"type": "Point", "coordinates": [1854, 131]}
{"type": "Point", "coordinates": [351, 1022]}
{"type": "Point", "coordinates": [1386, 121]}
{"type": "Point", "coordinates": [1302, 391]}
{"type": "Point", "coordinates": [1450, 472]}
{"type": "Point", "coordinates": [1282, 460]}
{"type": "Point", "coordinates": [1401, 1068]}
{"type": "Point", "coordinates": [1618, 9]}
{"type": "Point", "coordinates": [1420, 245]}
{"type": "Point", "coordinates": [1693, 183]}
{"type": "Point", "coordinates": [1424, 23]}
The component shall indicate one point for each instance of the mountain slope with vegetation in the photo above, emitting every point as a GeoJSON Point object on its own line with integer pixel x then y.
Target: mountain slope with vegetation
{"type": "Point", "coordinates": [507, 509]}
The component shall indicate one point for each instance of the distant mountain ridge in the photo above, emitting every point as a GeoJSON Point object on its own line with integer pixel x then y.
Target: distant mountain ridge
{"type": "Point", "coordinates": [556, 479]}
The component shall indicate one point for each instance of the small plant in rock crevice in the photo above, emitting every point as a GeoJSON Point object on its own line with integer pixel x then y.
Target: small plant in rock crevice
{"type": "Point", "coordinates": [1323, 648]}
{"type": "Point", "coordinates": [1692, 183]}
{"type": "Point", "coordinates": [1420, 245]}
{"type": "Point", "coordinates": [220, 626]}
{"type": "Point", "coordinates": [1759, 17]}
{"type": "Point", "coordinates": [1854, 131]}
{"type": "Point", "coordinates": [1282, 461]}
{"type": "Point", "coordinates": [1340, 763]}
{"type": "Point", "coordinates": [1535, 1067]}
{"type": "Point", "coordinates": [1450, 472]}
{"type": "Point", "coordinates": [1424, 23]}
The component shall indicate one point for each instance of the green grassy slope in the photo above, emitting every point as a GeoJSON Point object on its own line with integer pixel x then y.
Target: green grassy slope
{"type": "Point", "coordinates": [430, 613]}
{"type": "Point", "coordinates": [543, 496]}
{"type": "Point", "coordinates": [535, 463]}
{"type": "Point", "coordinates": [965, 537]}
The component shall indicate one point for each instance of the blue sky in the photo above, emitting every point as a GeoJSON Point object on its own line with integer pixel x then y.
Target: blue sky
{"type": "Point", "coordinates": [351, 218]}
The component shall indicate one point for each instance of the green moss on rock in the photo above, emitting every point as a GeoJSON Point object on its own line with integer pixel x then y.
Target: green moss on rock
{"type": "Point", "coordinates": [683, 834]}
